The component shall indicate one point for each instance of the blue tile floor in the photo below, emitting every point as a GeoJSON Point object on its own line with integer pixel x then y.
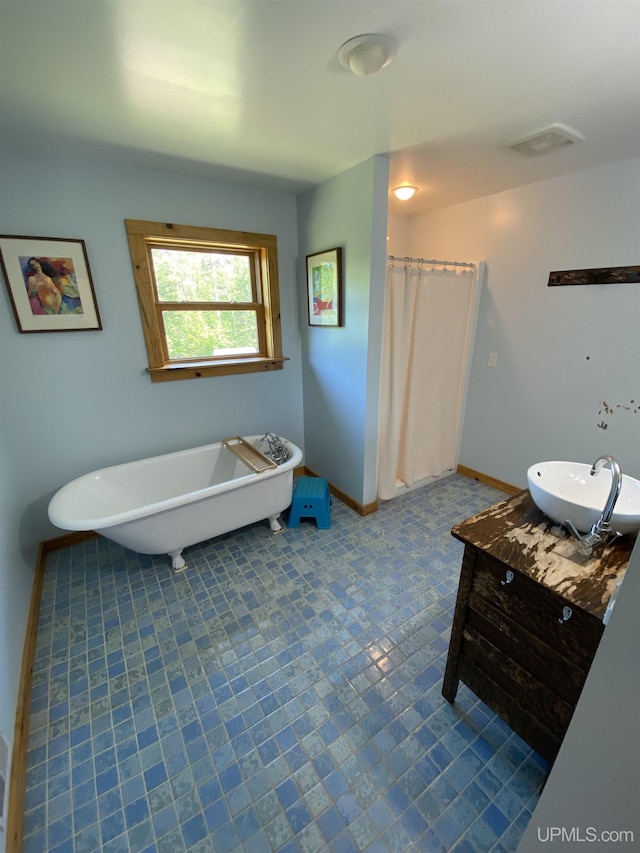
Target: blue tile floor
{"type": "Point", "coordinates": [283, 694]}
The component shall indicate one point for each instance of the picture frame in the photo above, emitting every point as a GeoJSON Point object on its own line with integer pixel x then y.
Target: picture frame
{"type": "Point", "coordinates": [49, 284]}
{"type": "Point", "coordinates": [324, 288]}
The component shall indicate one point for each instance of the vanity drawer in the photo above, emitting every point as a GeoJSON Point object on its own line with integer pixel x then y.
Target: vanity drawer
{"type": "Point", "coordinates": [513, 642]}
{"type": "Point", "coordinates": [506, 598]}
{"type": "Point", "coordinates": [525, 690]}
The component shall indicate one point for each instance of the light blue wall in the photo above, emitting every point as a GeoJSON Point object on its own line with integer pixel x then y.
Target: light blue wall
{"type": "Point", "coordinates": [341, 366]}
{"type": "Point", "coordinates": [74, 402]}
{"type": "Point", "coordinates": [16, 572]}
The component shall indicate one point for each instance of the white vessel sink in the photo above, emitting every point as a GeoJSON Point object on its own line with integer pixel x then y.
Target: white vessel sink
{"type": "Point", "coordinates": [567, 491]}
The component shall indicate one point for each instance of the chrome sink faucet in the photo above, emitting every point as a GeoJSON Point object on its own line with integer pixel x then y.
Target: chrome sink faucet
{"type": "Point", "coordinates": [601, 531]}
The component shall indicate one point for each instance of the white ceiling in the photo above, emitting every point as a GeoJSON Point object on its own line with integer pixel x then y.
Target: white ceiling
{"type": "Point", "coordinates": [252, 91]}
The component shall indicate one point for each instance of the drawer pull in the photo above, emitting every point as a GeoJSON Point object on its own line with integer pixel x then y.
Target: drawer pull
{"type": "Point", "coordinates": [508, 578]}
{"type": "Point", "coordinates": [567, 613]}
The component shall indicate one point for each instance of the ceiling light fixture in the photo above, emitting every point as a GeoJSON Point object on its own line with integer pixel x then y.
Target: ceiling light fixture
{"type": "Point", "coordinates": [367, 54]}
{"type": "Point", "coordinates": [405, 192]}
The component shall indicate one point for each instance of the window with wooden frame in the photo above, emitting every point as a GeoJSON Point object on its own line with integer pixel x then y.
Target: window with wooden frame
{"type": "Point", "coordinates": [208, 299]}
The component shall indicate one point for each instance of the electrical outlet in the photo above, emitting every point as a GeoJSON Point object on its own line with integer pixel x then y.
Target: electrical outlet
{"type": "Point", "coordinates": [493, 359]}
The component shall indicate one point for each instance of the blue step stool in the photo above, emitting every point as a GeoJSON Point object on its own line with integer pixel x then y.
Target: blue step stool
{"type": "Point", "coordinates": [311, 499]}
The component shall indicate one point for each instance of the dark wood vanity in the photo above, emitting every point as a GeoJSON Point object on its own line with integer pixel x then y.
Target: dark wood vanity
{"type": "Point", "coordinates": [528, 617]}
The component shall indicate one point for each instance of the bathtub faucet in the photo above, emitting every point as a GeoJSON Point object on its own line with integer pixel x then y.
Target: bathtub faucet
{"type": "Point", "coordinates": [277, 449]}
{"type": "Point", "coordinates": [601, 531]}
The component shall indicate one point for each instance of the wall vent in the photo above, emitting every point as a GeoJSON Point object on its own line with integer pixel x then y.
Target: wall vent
{"type": "Point", "coordinates": [550, 138]}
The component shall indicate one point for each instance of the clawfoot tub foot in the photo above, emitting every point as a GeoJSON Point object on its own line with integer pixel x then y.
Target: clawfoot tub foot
{"type": "Point", "coordinates": [178, 563]}
{"type": "Point", "coordinates": [274, 523]}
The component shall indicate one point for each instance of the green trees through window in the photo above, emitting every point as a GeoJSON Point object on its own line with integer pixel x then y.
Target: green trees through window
{"type": "Point", "coordinates": [195, 277]}
{"type": "Point", "coordinates": [185, 276]}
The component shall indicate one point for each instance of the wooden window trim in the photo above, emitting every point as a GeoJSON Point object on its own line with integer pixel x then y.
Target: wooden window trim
{"type": "Point", "coordinates": [143, 235]}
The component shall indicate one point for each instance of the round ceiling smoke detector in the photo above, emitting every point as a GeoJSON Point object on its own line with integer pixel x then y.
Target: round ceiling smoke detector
{"type": "Point", "coordinates": [367, 54]}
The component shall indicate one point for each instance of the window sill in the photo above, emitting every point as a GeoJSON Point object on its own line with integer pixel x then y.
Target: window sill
{"type": "Point", "coordinates": [198, 370]}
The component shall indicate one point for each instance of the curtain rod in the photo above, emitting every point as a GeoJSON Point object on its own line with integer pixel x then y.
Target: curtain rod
{"type": "Point", "coordinates": [408, 260]}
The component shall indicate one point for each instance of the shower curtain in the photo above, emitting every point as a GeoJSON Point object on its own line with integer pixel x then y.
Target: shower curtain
{"type": "Point", "coordinates": [427, 318]}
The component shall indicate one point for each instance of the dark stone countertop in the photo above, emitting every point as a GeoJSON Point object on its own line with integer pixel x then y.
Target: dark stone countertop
{"type": "Point", "coordinates": [518, 534]}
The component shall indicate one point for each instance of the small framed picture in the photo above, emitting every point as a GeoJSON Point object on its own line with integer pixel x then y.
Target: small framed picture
{"type": "Point", "coordinates": [49, 284]}
{"type": "Point", "coordinates": [324, 288]}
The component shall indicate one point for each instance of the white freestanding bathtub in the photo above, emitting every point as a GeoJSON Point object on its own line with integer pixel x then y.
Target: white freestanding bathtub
{"type": "Point", "coordinates": [165, 503]}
